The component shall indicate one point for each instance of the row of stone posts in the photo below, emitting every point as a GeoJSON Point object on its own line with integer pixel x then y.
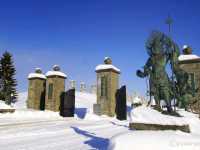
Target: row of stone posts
{"type": "Point", "coordinates": [83, 87]}
{"type": "Point", "coordinates": [45, 90]}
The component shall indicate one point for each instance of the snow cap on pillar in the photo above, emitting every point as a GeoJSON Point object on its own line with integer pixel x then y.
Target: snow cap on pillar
{"type": "Point", "coordinates": [187, 50]}
{"type": "Point", "coordinates": [107, 66]}
{"type": "Point", "coordinates": [56, 71]}
{"type": "Point", "coordinates": [37, 74]}
{"type": "Point", "coordinates": [187, 54]}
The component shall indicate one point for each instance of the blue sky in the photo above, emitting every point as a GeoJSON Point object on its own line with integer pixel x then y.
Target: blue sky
{"type": "Point", "coordinates": [78, 34]}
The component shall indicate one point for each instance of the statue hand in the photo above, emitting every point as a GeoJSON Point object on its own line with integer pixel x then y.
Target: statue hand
{"type": "Point", "coordinates": [140, 74]}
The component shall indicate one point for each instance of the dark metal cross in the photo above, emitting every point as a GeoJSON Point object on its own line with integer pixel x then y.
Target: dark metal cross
{"type": "Point", "coordinates": [169, 22]}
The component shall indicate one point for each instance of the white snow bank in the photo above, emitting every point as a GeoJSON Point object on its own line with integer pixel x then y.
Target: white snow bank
{"type": "Point", "coordinates": [21, 100]}
{"type": "Point", "coordinates": [56, 73]}
{"type": "Point", "coordinates": [137, 100]}
{"type": "Point", "coordinates": [36, 75]}
{"type": "Point", "coordinates": [191, 119]}
{"type": "Point", "coordinates": [188, 57]}
{"type": "Point", "coordinates": [105, 67]}
{"type": "Point", "coordinates": [84, 105]}
{"type": "Point", "coordinates": [85, 100]}
{"type": "Point", "coordinates": [155, 140]}
{"type": "Point", "coordinates": [4, 106]}
{"type": "Point", "coordinates": [145, 114]}
{"type": "Point", "coordinates": [32, 114]}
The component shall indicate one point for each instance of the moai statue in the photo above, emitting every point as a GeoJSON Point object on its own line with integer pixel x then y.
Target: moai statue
{"type": "Point", "coordinates": [107, 85]}
{"type": "Point", "coordinates": [72, 84]}
{"type": "Point", "coordinates": [82, 87]}
{"type": "Point", "coordinates": [55, 86]}
{"type": "Point", "coordinates": [36, 90]}
{"type": "Point", "coordinates": [93, 89]}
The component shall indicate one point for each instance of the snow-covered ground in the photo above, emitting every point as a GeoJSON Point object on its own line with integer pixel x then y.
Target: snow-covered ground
{"type": "Point", "coordinates": [4, 106]}
{"type": "Point", "coordinates": [157, 140]}
{"type": "Point", "coordinates": [45, 130]}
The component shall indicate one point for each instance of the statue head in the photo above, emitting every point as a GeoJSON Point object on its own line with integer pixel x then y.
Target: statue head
{"type": "Point", "coordinates": [155, 43]}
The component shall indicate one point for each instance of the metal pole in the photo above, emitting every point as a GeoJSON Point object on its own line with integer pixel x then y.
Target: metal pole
{"type": "Point", "coordinates": [169, 21]}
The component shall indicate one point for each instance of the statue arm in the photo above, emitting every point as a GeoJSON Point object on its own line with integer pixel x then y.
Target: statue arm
{"type": "Point", "coordinates": [146, 71]}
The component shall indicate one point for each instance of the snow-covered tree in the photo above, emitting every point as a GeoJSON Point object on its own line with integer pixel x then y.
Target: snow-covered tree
{"type": "Point", "coordinates": [8, 80]}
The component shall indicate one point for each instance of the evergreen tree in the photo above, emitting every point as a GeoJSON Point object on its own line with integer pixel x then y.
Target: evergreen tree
{"type": "Point", "coordinates": [1, 84]}
{"type": "Point", "coordinates": [8, 80]}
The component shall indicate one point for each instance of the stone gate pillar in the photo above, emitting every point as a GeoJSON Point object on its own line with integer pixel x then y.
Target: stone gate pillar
{"type": "Point", "coordinates": [55, 86]}
{"type": "Point", "coordinates": [107, 85]}
{"type": "Point", "coordinates": [36, 90]}
{"type": "Point", "coordinates": [191, 64]}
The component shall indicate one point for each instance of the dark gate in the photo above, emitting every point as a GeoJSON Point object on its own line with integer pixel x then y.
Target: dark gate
{"type": "Point", "coordinates": [42, 101]}
{"type": "Point", "coordinates": [67, 103]}
{"type": "Point", "coordinates": [121, 103]}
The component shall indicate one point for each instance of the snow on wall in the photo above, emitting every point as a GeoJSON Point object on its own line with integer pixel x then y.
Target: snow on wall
{"type": "Point", "coordinates": [148, 115]}
{"type": "Point", "coordinates": [36, 75]}
{"type": "Point", "coordinates": [188, 57]}
{"type": "Point", "coordinates": [56, 73]}
{"type": "Point", "coordinates": [106, 66]}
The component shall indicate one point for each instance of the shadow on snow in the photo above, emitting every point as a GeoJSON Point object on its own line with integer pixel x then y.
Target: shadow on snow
{"type": "Point", "coordinates": [116, 124]}
{"type": "Point", "coordinates": [81, 112]}
{"type": "Point", "coordinates": [94, 141]}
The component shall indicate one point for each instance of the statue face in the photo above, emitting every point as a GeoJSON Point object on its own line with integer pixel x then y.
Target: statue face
{"type": "Point", "coordinates": [157, 47]}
